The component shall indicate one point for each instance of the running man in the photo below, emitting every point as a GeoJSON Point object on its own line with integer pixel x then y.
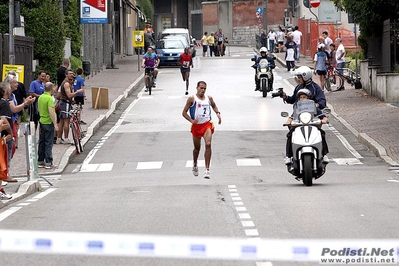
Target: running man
{"type": "Point", "coordinates": [185, 62]}
{"type": "Point", "coordinates": [202, 126]}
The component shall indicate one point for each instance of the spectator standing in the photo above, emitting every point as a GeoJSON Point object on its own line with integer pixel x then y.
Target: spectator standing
{"type": "Point", "coordinates": [36, 89]}
{"type": "Point", "coordinates": [61, 71]}
{"type": "Point", "coordinates": [185, 62]}
{"type": "Point", "coordinates": [340, 55]}
{"type": "Point", "coordinates": [80, 98]}
{"type": "Point", "coordinates": [204, 43]}
{"type": "Point", "coordinates": [220, 39]}
{"type": "Point", "coordinates": [149, 39]}
{"type": "Point", "coordinates": [198, 112]}
{"type": "Point", "coordinates": [5, 111]}
{"type": "Point", "coordinates": [263, 39]}
{"type": "Point", "coordinates": [327, 42]}
{"type": "Point", "coordinates": [290, 53]}
{"type": "Point", "coordinates": [66, 95]}
{"type": "Point", "coordinates": [211, 43]}
{"type": "Point", "coordinates": [320, 62]}
{"type": "Point", "coordinates": [333, 60]}
{"type": "Point", "coordinates": [296, 37]}
{"type": "Point", "coordinates": [20, 93]}
{"type": "Point", "coordinates": [280, 39]}
{"type": "Point", "coordinates": [48, 124]}
{"type": "Point", "coordinates": [271, 36]}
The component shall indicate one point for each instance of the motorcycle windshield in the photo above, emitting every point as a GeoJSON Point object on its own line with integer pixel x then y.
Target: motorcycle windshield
{"type": "Point", "coordinates": [304, 106]}
{"type": "Point", "coordinates": [263, 63]}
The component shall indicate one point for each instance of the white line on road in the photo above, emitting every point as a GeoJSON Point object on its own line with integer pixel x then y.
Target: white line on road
{"type": "Point", "coordinates": [8, 212]}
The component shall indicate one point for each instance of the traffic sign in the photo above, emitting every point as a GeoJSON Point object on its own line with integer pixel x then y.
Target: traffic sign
{"type": "Point", "coordinates": [314, 3]}
{"type": "Point", "coordinates": [138, 38]}
{"type": "Point", "coordinates": [259, 11]}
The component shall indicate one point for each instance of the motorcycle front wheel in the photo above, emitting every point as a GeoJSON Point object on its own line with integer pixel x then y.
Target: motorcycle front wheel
{"type": "Point", "coordinates": [307, 170]}
{"type": "Point", "coordinates": [264, 87]}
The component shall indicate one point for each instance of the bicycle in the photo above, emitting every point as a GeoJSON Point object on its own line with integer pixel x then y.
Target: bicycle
{"type": "Point", "coordinates": [334, 78]}
{"type": "Point", "coordinates": [150, 82]}
{"type": "Point", "coordinates": [77, 133]}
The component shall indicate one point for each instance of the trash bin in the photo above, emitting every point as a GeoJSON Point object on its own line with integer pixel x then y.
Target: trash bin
{"type": "Point", "coordinates": [86, 68]}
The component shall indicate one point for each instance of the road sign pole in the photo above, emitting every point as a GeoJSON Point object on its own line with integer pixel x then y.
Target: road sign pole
{"type": "Point", "coordinates": [265, 15]}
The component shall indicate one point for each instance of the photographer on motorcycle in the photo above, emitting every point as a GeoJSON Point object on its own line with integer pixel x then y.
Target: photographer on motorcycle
{"type": "Point", "coordinates": [272, 65]}
{"type": "Point", "coordinates": [304, 78]}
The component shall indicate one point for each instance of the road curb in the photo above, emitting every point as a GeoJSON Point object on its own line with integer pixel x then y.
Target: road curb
{"type": "Point", "coordinates": [24, 190]}
{"type": "Point", "coordinates": [363, 138]}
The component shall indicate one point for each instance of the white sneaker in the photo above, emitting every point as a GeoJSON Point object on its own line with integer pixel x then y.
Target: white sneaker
{"type": "Point", "coordinates": [58, 141]}
{"type": "Point", "coordinates": [287, 160]}
{"type": "Point", "coordinates": [195, 170]}
{"type": "Point", "coordinates": [66, 141]}
{"type": "Point", "coordinates": [325, 159]}
{"type": "Point", "coordinates": [4, 196]}
{"type": "Point", "coordinates": [207, 174]}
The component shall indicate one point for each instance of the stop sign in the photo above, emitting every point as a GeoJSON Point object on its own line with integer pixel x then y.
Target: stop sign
{"type": "Point", "coordinates": [314, 3]}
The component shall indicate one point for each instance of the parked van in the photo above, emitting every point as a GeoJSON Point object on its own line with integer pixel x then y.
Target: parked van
{"type": "Point", "coordinates": [180, 32]}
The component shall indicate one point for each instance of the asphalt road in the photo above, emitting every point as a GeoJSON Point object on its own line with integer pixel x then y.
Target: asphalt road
{"type": "Point", "coordinates": [136, 179]}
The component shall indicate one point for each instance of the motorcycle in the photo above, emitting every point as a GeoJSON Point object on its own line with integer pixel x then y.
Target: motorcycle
{"type": "Point", "coordinates": [307, 161]}
{"type": "Point", "coordinates": [264, 75]}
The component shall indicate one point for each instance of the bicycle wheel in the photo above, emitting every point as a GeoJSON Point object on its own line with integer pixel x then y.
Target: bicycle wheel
{"type": "Point", "coordinates": [75, 136]}
{"type": "Point", "coordinates": [150, 83]}
{"type": "Point", "coordinates": [339, 81]}
{"type": "Point", "coordinates": [327, 84]}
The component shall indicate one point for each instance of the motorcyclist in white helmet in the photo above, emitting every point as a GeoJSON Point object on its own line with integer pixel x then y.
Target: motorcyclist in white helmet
{"type": "Point", "coordinates": [303, 76]}
{"type": "Point", "coordinates": [272, 65]}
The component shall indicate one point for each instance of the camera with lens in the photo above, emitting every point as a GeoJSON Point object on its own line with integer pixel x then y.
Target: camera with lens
{"type": "Point", "coordinates": [279, 93]}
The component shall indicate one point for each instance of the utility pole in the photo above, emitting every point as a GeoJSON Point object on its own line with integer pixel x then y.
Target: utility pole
{"type": "Point", "coordinates": [11, 57]}
{"type": "Point", "coordinates": [264, 6]}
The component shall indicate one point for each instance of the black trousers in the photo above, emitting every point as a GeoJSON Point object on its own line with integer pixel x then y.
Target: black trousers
{"type": "Point", "coordinates": [288, 146]}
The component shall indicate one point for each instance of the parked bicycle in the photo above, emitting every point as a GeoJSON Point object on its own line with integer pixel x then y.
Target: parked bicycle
{"type": "Point", "coordinates": [77, 132]}
{"type": "Point", "coordinates": [334, 79]}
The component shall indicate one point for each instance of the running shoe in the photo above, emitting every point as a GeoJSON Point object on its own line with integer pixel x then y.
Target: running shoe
{"type": "Point", "coordinates": [195, 170]}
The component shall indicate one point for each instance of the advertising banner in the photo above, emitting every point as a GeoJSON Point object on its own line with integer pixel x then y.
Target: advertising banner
{"type": "Point", "coordinates": [93, 12]}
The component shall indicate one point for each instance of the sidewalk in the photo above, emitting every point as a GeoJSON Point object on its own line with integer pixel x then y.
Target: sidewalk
{"type": "Point", "coordinates": [373, 122]}
{"type": "Point", "coordinates": [120, 83]}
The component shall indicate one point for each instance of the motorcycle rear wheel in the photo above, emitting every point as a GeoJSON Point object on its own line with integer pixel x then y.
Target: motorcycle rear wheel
{"type": "Point", "coordinates": [264, 87]}
{"type": "Point", "coordinates": [307, 177]}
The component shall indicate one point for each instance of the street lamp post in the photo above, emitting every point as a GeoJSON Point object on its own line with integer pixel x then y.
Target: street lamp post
{"type": "Point", "coordinates": [264, 6]}
{"type": "Point", "coordinates": [11, 56]}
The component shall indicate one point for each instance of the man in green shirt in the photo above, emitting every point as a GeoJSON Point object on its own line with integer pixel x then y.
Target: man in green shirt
{"type": "Point", "coordinates": [48, 123]}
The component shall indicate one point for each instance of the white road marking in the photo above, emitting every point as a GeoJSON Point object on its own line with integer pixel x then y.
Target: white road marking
{"type": "Point", "coordinates": [44, 193]}
{"type": "Point", "coordinates": [238, 203]}
{"type": "Point", "coordinates": [344, 142]}
{"type": "Point", "coordinates": [8, 212]}
{"type": "Point", "coordinates": [241, 209]}
{"type": "Point", "coordinates": [235, 198]}
{"type": "Point", "coordinates": [251, 232]}
{"type": "Point", "coordinates": [347, 161]}
{"type": "Point", "coordinates": [248, 162]}
{"type": "Point", "coordinates": [244, 216]}
{"type": "Point", "coordinates": [247, 223]}
{"type": "Point", "coordinates": [148, 165]}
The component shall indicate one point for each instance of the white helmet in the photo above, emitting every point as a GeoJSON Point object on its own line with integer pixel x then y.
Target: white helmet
{"type": "Point", "coordinates": [263, 50]}
{"type": "Point", "coordinates": [305, 72]}
{"type": "Point", "coordinates": [304, 92]}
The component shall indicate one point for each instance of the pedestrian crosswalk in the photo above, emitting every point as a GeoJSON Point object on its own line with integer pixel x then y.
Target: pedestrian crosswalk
{"type": "Point", "coordinates": [153, 165]}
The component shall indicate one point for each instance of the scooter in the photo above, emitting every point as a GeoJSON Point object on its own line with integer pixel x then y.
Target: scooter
{"type": "Point", "coordinates": [264, 75]}
{"type": "Point", "coordinates": [307, 162]}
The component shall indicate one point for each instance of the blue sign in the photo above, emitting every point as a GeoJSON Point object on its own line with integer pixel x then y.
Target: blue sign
{"type": "Point", "coordinates": [259, 11]}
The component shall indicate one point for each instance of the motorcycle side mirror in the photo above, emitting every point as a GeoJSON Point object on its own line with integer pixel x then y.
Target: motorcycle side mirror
{"type": "Point", "coordinates": [284, 114]}
{"type": "Point", "coordinates": [326, 111]}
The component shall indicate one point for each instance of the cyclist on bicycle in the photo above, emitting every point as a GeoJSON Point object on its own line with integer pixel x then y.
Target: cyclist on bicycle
{"type": "Point", "coordinates": [150, 63]}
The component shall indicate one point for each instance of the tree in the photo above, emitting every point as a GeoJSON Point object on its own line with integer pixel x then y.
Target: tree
{"type": "Point", "coordinates": [146, 8]}
{"type": "Point", "coordinates": [370, 14]}
{"type": "Point", "coordinates": [43, 22]}
{"type": "Point", "coordinates": [73, 29]}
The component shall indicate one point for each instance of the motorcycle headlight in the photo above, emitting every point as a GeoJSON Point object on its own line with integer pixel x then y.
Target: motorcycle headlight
{"type": "Point", "coordinates": [305, 117]}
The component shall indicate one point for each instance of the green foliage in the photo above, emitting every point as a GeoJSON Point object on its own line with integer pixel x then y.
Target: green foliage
{"type": "Point", "coordinates": [75, 62]}
{"type": "Point", "coordinates": [43, 21]}
{"type": "Point", "coordinates": [4, 27]}
{"type": "Point", "coordinates": [146, 8]}
{"type": "Point", "coordinates": [73, 29]}
{"type": "Point", "coordinates": [370, 14]}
